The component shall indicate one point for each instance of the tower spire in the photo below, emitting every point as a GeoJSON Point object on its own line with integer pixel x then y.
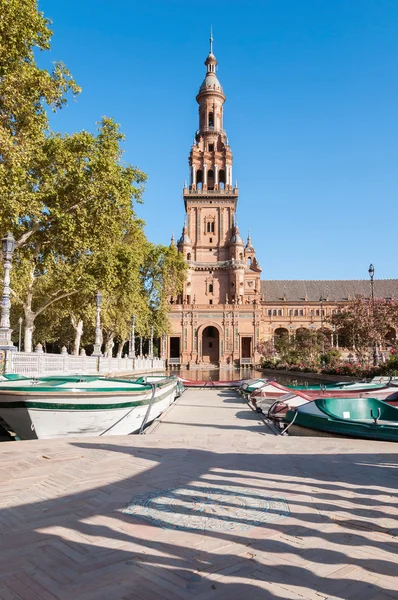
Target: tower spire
{"type": "Point", "coordinates": [211, 40]}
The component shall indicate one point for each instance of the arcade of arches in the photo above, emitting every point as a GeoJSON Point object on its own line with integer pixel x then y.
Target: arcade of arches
{"type": "Point", "coordinates": [225, 309]}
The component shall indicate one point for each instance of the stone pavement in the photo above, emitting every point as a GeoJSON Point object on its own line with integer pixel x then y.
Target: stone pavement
{"type": "Point", "coordinates": [202, 512]}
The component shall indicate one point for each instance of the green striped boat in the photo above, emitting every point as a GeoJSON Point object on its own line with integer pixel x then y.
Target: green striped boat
{"type": "Point", "coordinates": [54, 407]}
{"type": "Point", "coordinates": [367, 418]}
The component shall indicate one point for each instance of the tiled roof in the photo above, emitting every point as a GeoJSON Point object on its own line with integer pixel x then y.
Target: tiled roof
{"type": "Point", "coordinates": [332, 290]}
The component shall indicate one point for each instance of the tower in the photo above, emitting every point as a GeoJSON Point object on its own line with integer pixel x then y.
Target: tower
{"type": "Point", "coordinates": [216, 320]}
{"type": "Point", "coordinates": [215, 252]}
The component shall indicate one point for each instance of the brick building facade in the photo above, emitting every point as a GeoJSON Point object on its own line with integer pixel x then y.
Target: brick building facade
{"type": "Point", "coordinates": [225, 309]}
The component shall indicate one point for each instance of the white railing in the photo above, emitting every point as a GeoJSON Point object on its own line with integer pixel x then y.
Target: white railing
{"type": "Point", "coordinates": [32, 364]}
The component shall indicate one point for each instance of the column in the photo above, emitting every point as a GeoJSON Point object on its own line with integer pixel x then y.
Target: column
{"type": "Point", "coordinates": [215, 175]}
{"type": "Point", "coordinates": [204, 174]}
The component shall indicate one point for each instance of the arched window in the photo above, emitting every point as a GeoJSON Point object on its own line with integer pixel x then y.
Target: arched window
{"type": "Point", "coordinates": [189, 256]}
{"type": "Point", "coordinates": [221, 179]}
{"type": "Point", "coordinates": [317, 313]}
{"type": "Point", "coordinates": [210, 288]}
{"type": "Point", "coordinates": [280, 312]}
{"type": "Point", "coordinates": [211, 119]}
{"type": "Point", "coordinates": [301, 313]}
{"type": "Point", "coordinates": [249, 261]}
{"type": "Point", "coordinates": [241, 256]}
{"type": "Point", "coordinates": [274, 313]}
{"type": "Point", "coordinates": [210, 226]}
{"type": "Point", "coordinates": [210, 180]}
{"type": "Point", "coordinates": [269, 312]}
{"type": "Point", "coordinates": [295, 312]}
{"type": "Point", "coordinates": [199, 179]}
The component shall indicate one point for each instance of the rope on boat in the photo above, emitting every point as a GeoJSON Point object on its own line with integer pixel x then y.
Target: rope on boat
{"type": "Point", "coordinates": [148, 409]}
{"type": "Point", "coordinates": [131, 410]}
{"type": "Point", "coordinates": [291, 423]}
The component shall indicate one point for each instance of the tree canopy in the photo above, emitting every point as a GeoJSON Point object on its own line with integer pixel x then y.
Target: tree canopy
{"type": "Point", "coordinates": [69, 200]}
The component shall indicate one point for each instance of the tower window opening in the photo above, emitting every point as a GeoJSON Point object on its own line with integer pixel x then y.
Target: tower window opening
{"type": "Point", "coordinates": [189, 256]}
{"type": "Point", "coordinates": [279, 312]}
{"type": "Point", "coordinates": [210, 301]}
{"type": "Point", "coordinates": [210, 288]}
{"type": "Point", "coordinates": [210, 227]}
{"type": "Point", "coordinates": [249, 261]}
{"type": "Point", "coordinates": [210, 180]}
{"type": "Point", "coordinates": [274, 313]}
{"type": "Point", "coordinates": [211, 120]}
{"type": "Point", "coordinates": [210, 240]}
{"type": "Point", "coordinates": [241, 256]}
{"type": "Point", "coordinates": [211, 147]}
{"type": "Point", "coordinates": [199, 179]}
{"type": "Point", "coordinates": [221, 179]}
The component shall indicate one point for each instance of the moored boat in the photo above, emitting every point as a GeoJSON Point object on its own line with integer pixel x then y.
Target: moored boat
{"type": "Point", "coordinates": [248, 386]}
{"type": "Point", "coordinates": [267, 394]}
{"type": "Point", "coordinates": [190, 383]}
{"type": "Point", "coordinates": [367, 418]}
{"type": "Point", "coordinates": [343, 386]}
{"type": "Point", "coordinates": [53, 407]}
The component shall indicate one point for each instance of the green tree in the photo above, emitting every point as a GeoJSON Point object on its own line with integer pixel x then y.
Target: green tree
{"type": "Point", "coordinates": [164, 273]}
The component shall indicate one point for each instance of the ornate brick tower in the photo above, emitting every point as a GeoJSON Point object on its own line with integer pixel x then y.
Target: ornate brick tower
{"type": "Point", "coordinates": [223, 274]}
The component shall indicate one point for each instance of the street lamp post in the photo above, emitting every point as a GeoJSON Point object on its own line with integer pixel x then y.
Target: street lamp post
{"type": "Point", "coordinates": [132, 338]}
{"type": "Point", "coordinates": [20, 334]}
{"type": "Point", "coordinates": [97, 343]}
{"type": "Point", "coordinates": [371, 272]}
{"type": "Point", "coordinates": [7, 246]}
{"type": "Point", "coordinates": [140, 346]}
{"type": "Point", "coordinates": [151, 341]}
{"type": "Point", "coordinates": [321, 299]}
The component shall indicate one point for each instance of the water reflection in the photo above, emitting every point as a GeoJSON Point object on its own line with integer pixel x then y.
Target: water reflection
{"type": "Point", "coordinates": [230, 374]}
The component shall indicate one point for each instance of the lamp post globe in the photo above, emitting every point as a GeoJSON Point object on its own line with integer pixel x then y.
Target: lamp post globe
{"type": "Point", "coordinates": [7, 247]}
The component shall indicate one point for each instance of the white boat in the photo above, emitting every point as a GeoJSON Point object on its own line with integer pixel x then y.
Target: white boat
{"type": "Point", "coordinates": [273, 398]}
{"type": "Point", "coordinates": [55, 407]}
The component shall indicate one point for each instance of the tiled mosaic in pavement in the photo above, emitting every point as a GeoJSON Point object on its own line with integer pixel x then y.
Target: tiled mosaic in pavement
{"type": "Point", "coordinates": [208, 508]}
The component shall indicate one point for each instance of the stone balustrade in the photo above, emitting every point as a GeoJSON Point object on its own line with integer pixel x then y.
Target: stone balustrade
{"type": "Point", "coordinates": [39, 364]}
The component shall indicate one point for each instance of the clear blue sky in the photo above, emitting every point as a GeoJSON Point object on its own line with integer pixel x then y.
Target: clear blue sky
{"type": "Point", "coordinates": [311, 116]}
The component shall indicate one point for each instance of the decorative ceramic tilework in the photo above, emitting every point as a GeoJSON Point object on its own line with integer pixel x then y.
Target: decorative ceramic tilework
{"type": "Point", "coordinates": [208, 508]}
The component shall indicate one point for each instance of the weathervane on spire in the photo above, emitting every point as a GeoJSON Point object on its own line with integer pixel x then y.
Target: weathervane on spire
{"type": "Point", "coordinates": [211, 40]}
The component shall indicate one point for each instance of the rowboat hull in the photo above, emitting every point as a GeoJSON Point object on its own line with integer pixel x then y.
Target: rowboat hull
{"type": "Point", "coordinates": [365, 418]}
{"type": "Point", "coordinates": [37, 413]}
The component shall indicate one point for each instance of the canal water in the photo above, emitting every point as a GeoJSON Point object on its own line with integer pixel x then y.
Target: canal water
{"type": "Point", "coordinates": [230, 374]}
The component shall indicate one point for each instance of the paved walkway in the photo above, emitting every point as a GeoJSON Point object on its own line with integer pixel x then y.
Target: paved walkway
{"type": "Point", "coordinates": [210, 413]}
{"type": "Point", "coordinates": [229, 513]}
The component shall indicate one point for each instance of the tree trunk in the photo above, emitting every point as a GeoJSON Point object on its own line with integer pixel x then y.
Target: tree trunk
{"type": "Point", "coordinates": [77, 325]}
{"type": "Point", "coordinates": [120, 349]}
{"type": "Point", "coordinates": [28, 337]}
{"type": "Point", "coordinates": [109, 347]}
{"type": "Point", "coordinates": [28, 329]}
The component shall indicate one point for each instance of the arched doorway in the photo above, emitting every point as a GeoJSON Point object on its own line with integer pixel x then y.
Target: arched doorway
{"type": "Point", "coordinates": [281, 332]}
{"type": "Point", "coordinates": [210, 345]}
